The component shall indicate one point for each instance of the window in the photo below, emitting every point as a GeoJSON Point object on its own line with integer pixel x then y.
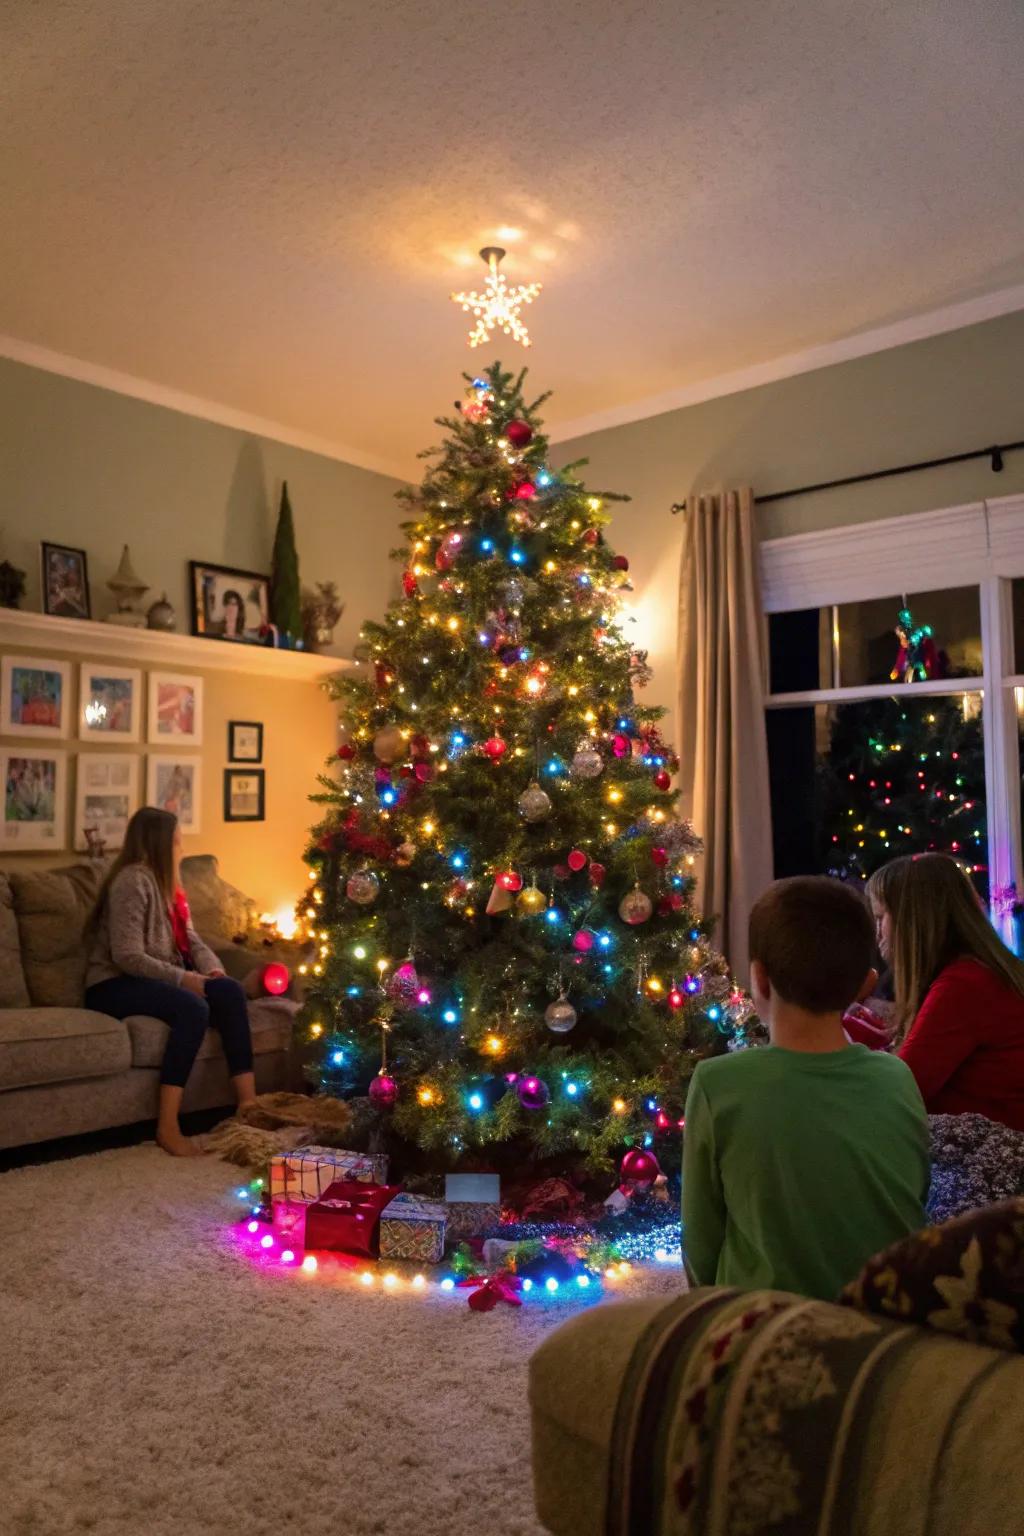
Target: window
{"type": "Point", "coordinates": [864, 767]}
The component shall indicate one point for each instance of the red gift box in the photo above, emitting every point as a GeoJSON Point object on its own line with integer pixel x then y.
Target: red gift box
{"type": "Point", "coordinates": [347, 1216]}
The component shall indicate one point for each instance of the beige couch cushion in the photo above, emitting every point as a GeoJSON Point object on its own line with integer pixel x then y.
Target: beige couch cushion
{"type": "Point", "coordinates": [13, 989]}
{"type": "Point", "coordinates": [56, 1045]}
{"type": "Point", "coordinates": [51, 909]}
{"type": "Point", "coordinates": [270, 1019]}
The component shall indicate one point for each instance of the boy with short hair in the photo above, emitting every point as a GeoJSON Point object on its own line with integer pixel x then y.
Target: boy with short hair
{"type": "Point", "coordinates": [805, 1157]}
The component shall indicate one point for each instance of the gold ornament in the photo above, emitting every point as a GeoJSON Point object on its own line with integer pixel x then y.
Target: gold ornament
{"type": "Point", "coordinates": [531, 900]}
{"type": "Point", "coordinates": [388, 744]}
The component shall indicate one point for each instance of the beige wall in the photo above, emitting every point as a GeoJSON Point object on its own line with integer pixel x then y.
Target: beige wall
{"type": "Point", "coordinates": [264, 859]}
{"type": "Point", "coordinates": [946, 395]}
{"type": "Point", "coordinates": [83, 466]}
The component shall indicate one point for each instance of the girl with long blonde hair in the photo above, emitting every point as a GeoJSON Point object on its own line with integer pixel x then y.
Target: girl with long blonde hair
{"type": "Point", "coordinates": [959, 1014]}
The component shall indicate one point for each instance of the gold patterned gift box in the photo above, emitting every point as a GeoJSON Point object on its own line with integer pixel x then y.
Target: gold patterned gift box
{"type": "Point", "coordinates": [473, 1201]}
{"type": "Point", "coordinates": [413, 1228]}
{"type": "Point", "coordinates": [304, 1174]}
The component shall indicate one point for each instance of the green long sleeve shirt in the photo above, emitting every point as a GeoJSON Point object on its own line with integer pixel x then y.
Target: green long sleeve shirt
{"type": "Point", "coordinates": [798, 1167]}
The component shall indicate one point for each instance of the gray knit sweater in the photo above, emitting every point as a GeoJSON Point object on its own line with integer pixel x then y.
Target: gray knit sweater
{"type": "Point", "coordinates": [134, 936]}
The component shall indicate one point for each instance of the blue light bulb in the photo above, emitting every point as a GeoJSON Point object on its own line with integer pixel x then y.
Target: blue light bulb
{"type": "Point", "coordinates": [338, 1057]}
{"type": "Point", "coordinates": [450, 1016]}
{"type": "Point", "coordinates": [582, 1281]}
{"type": "Point", "coordinates": [714, 1013]}
{"type": "Point", "coordinates": [484, 639]}
{"type": "Point", "coordinates": [353, 991]}
{"type": "Point", "coordinates": [652, 1105]}
{"type": "Point", "coordinates": [458, 861]}
{"type": "Point", "coordinates": [554, 766]}
{"type": "Point", "coordinates": [607, 969]}
{"type": "Point", "coordinates": [553, 915]}
{"type": "Point", "coordinates": [516, 556]}
{"type": "Point", "coordinates": [572, 1090]}
{"type": "Point", "coordinates": [527, 1285]}
{"type": "Point", "coordinates": [447, 1284]}
{"type": "Point", "coordinates": [551, 1284]}
{"type": "Point", "coordinates": [389, 796]}
{"type": "Point", "coordinates": [243, 1194]}
{"type": "Point", "coordinates": [605, 941]}
{"type": "Point", "coordinates": [475, 1101]}
{"type": "Point", "coordinates": [487, 545]}
{"type": "Point", "coordinates": [543, 478]}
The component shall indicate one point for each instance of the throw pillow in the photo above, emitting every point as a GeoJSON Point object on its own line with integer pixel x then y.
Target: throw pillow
{"type": "Point", "coordinates": [13, 989]}
{"type": "Point", "coordinates": [51, 909]}
{"type": "Point", "coordinates": [965, 1278]}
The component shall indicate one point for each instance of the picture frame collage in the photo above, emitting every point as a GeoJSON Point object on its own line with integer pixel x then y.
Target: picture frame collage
{"type": "Point", "coordinates": [116, 707]}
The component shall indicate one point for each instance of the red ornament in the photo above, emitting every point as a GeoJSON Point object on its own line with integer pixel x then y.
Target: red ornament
{"type": "Point", "coordinates": [591, 537]}
{"type": "Point", "coordinates": [620, 563]}
{"type": "Point", "coordinates": [561, 871]}
{"type": "Point", "coordinates": [495, 748]}
{"type": "Point", "coordinates": [639, 1168]}
{"type": "Point", "coordinates": [346, 752]}
{"type": "Point", "coordinates": [577, 860]}
{"type": "Point", "coordinates": [442, 561]}
{"type": "Point", "coordinates": [620, 746]}
{"type": "Point", "coordinates": [659, 857]}
{"type": "Point", "coordinates": [662, 779]}
{"type": "Point", "coordinates": [424, 772]}
{"type": "Point", "coordinates": [597, 874]}
{"type": "Point", "coordinates": [519, 433]}
{"type": "Point", "coordinates": [675, 998]}
{"type": "Point", "coordinates": [383, 1090]}
{"type": "Point", "coordinates": [510, 881]}
{"type": "Point", "coordinates": [275, 979]}
{"type": "Point", "coordinates": [583, 941]}
{"type": "Point", "coordinates": [419, 746]}
{"type": "Point", "coordinates": [525, 491]}
{"type": "Point", "coordinates": [410, 586]}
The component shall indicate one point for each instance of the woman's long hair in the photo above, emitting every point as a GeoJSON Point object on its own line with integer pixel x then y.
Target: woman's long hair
{"type": "Point", "coordinates": [148, 840]}
{"type": "Point", "coordinates": [937, 917]}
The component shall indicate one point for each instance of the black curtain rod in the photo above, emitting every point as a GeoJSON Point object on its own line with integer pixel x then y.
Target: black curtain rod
{"type": "Point", "coordinates": [994, 454]}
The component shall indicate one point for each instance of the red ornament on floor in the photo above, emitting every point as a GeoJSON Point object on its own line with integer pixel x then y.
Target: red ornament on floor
{"type": "Point", "coordinates": [639, 1168]}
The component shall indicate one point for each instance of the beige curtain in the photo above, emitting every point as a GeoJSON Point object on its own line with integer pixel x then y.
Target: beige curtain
{"type": "Point", "coordinates": [721, 731]}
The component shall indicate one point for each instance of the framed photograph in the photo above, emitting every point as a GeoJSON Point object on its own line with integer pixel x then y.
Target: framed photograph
{"type": "Point", "coordinates": [244, 794]}
{"type": "Point", "coordinates": [229, 604]}
{"type": "Point", "coordinates": [65, 582]}
{"type": "Point", "coordinates": [109, 702]}
{"type": "Point", "coordinates": [35, 697]}
{"type": "Point", "coordinates": [245, 741]}
{"type": "Point", "coordinates": [33, 815]}
{"type": "Point", "coordinates": [175, 784]}
{"type": "Point", "coordinates": [175, 710]}
{"type": "Point", "coordinates": [106, 798]}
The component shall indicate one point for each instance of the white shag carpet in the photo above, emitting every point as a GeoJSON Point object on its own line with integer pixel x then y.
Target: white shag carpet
{"type": "Point", "coordinates": [155, 1383]}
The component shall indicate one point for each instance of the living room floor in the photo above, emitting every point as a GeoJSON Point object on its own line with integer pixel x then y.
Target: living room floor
{"type": "Point", "coordinates": [156, 1381]}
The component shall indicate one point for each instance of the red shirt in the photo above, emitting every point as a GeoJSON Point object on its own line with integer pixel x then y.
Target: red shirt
{"type": "Point", "coordinates": [966, 1046]}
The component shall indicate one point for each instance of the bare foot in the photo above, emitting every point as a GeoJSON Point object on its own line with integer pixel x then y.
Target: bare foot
{"type": "Point", "coordinates": [176, 1144]}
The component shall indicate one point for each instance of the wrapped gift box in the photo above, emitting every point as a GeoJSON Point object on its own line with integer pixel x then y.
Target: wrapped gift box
{"type": "Point", "coordinates": [474, 1203]}
{"type": "Point", "coordinates": [347, 1216]}
{"type": "Point", "coordinates": [289, 1218]}
{"type": "Point", "coordinates": [305, 1173]}
{"type": "Point", "coordinates": [413, 1228]}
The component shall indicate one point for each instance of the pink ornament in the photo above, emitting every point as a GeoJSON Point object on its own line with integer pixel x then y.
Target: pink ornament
{"type": "Point", "coordinates": [597, 874]}
{"type": "Point", "coordinates": [639, 1168]}
{"type": "Point", "coordinates": [659, 856]}
{"type": "Point", "coordinates": [583, 941]}
{"type": "Point", "coordinates": [383, 1090]}
{"type": "Point", "coordinates": [424, 772]}
{"type": "Point", "coordinates": [577, 860]}
{"type": "Point", "coordinates": [404, 982]}
{"type": "Point", "coordinates": [620, 746]}
{"type": "Point", "coordinates": [275, 979]}
{"type": "Point", "coordinates": [533, 1092]}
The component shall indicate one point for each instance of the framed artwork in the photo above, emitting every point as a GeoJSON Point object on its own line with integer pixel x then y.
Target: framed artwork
{"type": "Point", "coordinates": [229, 604]}
{"type": "Point", "coordinates": [33, 812]}
{"type": "Point", "coordinates": [175, 710]}
{"type": "Point", "coordinates": [109, 702]}
{"type": "Point", "coordinates": [245, 741]}
{"type": "Point", "coordinates": [106, 798]}
{"type": "Point", "coordinates": [244, 794]}
{"type": "Point", "coordinates": [35, 697]}
{"type": "Point", "coordinates": [65, 582]}
{"type": "Point", "coordinates": [174, 784]}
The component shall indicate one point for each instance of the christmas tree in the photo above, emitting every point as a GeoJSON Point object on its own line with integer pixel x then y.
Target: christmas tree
{"type": "Point", "coordinates": [905, 775]}
{"type": "Point", "coordinates": [285, 587]}
{"type": "Point", "coordinates": [508, 961]}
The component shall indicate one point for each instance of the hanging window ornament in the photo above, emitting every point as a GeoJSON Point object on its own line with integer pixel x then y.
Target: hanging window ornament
{"type": "Point", "coordinates": [534, 804]}
{"type": "Point", "coordinates": [587, 761]}
{"type": "Point", "coordinates": [531, 900]}
{"type": "Point", "coordinates": [635, 907]}
{"type": "Point", "coordinates": [560, 1016]}
{"type": "Point", "coordinates": [362, 887]}
{"type": "Point", "coordinates": [388, 744]}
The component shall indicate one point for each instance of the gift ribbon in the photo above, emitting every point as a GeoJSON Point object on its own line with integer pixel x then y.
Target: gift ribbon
{"type": "Point", "coordinates": [488, 1290]}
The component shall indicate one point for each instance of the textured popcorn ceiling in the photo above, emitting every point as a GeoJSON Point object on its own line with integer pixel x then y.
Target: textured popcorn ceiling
{"type": "Point", "coordinates": [266, 202]}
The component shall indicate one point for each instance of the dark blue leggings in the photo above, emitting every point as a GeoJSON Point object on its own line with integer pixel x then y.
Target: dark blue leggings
{"type": "Point", "coordinates": [188, 1015]}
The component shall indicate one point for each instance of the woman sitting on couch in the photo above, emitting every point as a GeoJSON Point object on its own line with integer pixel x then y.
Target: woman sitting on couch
{"type": "Point", "coordinates": [959, 1013]}
{"type": "Point", "coordinates": [146, 958]}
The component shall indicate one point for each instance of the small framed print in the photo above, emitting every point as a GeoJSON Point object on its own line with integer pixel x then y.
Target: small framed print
{"type": "Point", "coordinates": [245, 741]}
{"type": "Point", "coordinates": [109, 702]}
{"type": "Point", "coordinates": [244, 790]}
{"type": "Point", "coordinates": [33, 811]}
{"type": "Point", "coordinates": [65, 582]}
{"type": "Point", "coordinates": [106, 798]}
{"type": "Point", "coordinates": [35, 697]}
{"type": "Point", "coordinates": [229, 604]}
{"type": "Point", "coordinates": [175, 784]}
{"type": "Point", "coordinates": [175, 710]}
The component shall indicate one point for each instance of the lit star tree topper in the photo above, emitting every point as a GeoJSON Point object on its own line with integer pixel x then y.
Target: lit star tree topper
{"type": "Point", "coordinates": [497, 308]}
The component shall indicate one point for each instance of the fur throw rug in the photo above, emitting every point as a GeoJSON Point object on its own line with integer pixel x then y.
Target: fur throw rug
{"type": "Point", "coordinates": [277, 1122]}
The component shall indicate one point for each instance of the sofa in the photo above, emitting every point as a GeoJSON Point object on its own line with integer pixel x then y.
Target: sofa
{"type": "Point", "coordinates": [770, 1415]}
{"type": "Point", "coordinates": [64, 1069]}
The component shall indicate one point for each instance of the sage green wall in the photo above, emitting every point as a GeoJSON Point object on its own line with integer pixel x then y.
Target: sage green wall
{"type": "Point", "coordinates": [84, 466]}
{"type": "Point", "coordinates": [945, 395]}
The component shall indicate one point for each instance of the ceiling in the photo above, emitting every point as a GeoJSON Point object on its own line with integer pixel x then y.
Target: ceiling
{"type": "Point", "coordinates": [264, 203]}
